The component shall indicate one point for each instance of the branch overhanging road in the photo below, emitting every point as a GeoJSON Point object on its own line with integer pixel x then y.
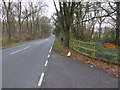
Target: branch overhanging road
{"type": "Point", "coordinates": [36, 65]}
{"type": "Point", "coordinates": [23, 65]}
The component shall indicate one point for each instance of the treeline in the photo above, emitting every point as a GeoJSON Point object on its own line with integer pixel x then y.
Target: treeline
{"type": "Point", "coordinates": [24, 21]}
{"type": "Point", "coordinates": [88, 21]}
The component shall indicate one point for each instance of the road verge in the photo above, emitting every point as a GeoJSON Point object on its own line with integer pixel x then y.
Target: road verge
{"type": "Point", "coordinates": [108, 67]}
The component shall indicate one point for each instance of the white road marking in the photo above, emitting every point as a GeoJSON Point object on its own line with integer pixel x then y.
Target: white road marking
{"type": "Point", "coordinates": [20, 50]}
{"type": "Point", "coordinates": [46, 63]}
{"type": "Point", "coordinates": [41, 79]}
{"type": "Point", "coordinates": [50, 50]}
{"type": "Point", "coordinates": [52, 44]}
{"type": "Point", "coordinates": [37, 43]}
{"type": "Point", "coordinates": [48, 56]}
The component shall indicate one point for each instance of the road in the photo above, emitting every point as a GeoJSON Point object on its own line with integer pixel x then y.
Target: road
{"type": "Point", "coordinates": [63, 72]}
{"type": "Point", "coordinates": [22, 65]}
{"type": "Point", "coordinates": [36, 65]}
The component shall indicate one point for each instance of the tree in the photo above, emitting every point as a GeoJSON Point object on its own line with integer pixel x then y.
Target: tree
{"type": "Point", "coordinates": [116, 11]}
{"type": "Point", "coordinates": [7, 10]}
{"type": "Point", "coordinates": [66, 18]}
{"type": "Point", "coordinates": [22, 22]}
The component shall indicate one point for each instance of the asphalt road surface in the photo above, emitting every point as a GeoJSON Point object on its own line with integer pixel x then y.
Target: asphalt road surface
{"type": "Point", "coordinates": [63, 72]}
{"type": "Point", "coordinates": [22, 65]}
{"type": "Point", "coordinates": [36, 65]}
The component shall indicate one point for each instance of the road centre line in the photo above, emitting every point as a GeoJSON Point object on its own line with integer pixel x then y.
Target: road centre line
{"type": "Point", "coordinates": [50, 50]}
{"type": "Point", "coordinates": [20, 50]}
{"type": "Point", "coordinates": [38, 43]}
{"type": "Point", "coordinates": [41, 79]}
{"type": "Point", "coordinates": [52, 44]}
{"type": "Point", "coordinates": [48, 55]}
{"type": "Point", "coordinates": [46, 63]}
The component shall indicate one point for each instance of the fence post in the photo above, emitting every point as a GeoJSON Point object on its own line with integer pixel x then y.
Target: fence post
{"type": "Point", "coordinates": [94, 49]}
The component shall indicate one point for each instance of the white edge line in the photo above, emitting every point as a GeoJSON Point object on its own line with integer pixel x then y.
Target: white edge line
{"type": "Point", "coordinates": [41, 79]}
{"type": "Point", "coordinates": [46, 63]}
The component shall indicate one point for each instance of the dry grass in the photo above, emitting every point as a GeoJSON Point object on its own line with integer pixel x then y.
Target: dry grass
{"type": "Point", "coordinates": [19, 43]}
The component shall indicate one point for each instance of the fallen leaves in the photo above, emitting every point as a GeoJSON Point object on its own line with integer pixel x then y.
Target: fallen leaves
{"type": "Point", "coordinates": [109, 45]}
{"type": "Point", "coordinates": [114, 69]}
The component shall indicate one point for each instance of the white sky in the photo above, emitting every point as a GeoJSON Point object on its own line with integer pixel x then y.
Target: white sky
{"type": "Point", "coordinates": [50, 8]}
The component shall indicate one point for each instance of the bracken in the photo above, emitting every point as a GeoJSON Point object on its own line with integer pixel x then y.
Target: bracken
{"type": "Point", "coordinates": [109, 45]}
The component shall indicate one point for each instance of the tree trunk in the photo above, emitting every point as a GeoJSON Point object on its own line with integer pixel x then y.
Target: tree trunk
{"type": "Point", "coordinates": [9, 31]}
{"type": "Point", "coordinates": [92, 32]}
{"type": "Point", "coordinates": [20, 21]}
{"type": "Point", "coordinates": [100, 31]}
{"type": "Point", "coordinates": [67, 37]}
{"type": "Point", "coordinates": [117, 22]}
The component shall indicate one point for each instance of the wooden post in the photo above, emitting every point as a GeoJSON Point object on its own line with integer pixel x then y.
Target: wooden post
{"type": "Point", "coordinates": [94, 49]}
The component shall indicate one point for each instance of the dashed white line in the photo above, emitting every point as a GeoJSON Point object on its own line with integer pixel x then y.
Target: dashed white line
{"type": "Point", "coordinates": [37, 43]}
{"type": "Point", "coordinates": [27, 47]}
{"type": "Point", "coordinates": [48, 56]}
{"type": "Point", "coordinates": [41, 79]}
{"type": "Point", "coordinates": [46, 63]}
{"type": "Point", "coordinates": [50, 50]}
{"type": "Point", "coordinates": [20, 50]}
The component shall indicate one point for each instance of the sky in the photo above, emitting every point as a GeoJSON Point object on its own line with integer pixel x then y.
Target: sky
{"type": "Point", "coordinates": [50, 8]}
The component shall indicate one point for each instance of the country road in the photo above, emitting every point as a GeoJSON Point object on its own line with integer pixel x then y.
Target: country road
{"type": "Point", "coordinates": [22, 65]}
{"type": "Point", "coordinates": [36, 65]}
{"type": "Point", "coordinates": [63, 72]}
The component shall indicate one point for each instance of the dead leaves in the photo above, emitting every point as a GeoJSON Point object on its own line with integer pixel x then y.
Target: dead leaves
{"type": "Point", "coordinates": [110, 68]}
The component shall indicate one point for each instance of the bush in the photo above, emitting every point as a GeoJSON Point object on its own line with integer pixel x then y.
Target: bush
{"type": "Point", "coordinates": [6, 43]}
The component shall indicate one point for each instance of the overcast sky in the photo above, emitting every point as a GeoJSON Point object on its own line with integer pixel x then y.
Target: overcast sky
{"type": "Point", "coordinates": [50, 8]}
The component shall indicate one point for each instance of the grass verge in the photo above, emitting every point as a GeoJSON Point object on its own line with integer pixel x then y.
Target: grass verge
{"type": "Point", "coordinates": [19, 43]}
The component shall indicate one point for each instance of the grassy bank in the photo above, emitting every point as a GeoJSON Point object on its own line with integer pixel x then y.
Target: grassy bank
{"type": "Point", "coordinates": [10, 44]}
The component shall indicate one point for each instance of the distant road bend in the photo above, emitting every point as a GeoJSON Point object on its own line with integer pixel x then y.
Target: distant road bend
{"type": "Point", "coordinates": [23, 65]}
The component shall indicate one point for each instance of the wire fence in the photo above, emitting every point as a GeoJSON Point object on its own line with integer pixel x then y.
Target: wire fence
{"type": "Point", "coordinates": [95, 50]}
